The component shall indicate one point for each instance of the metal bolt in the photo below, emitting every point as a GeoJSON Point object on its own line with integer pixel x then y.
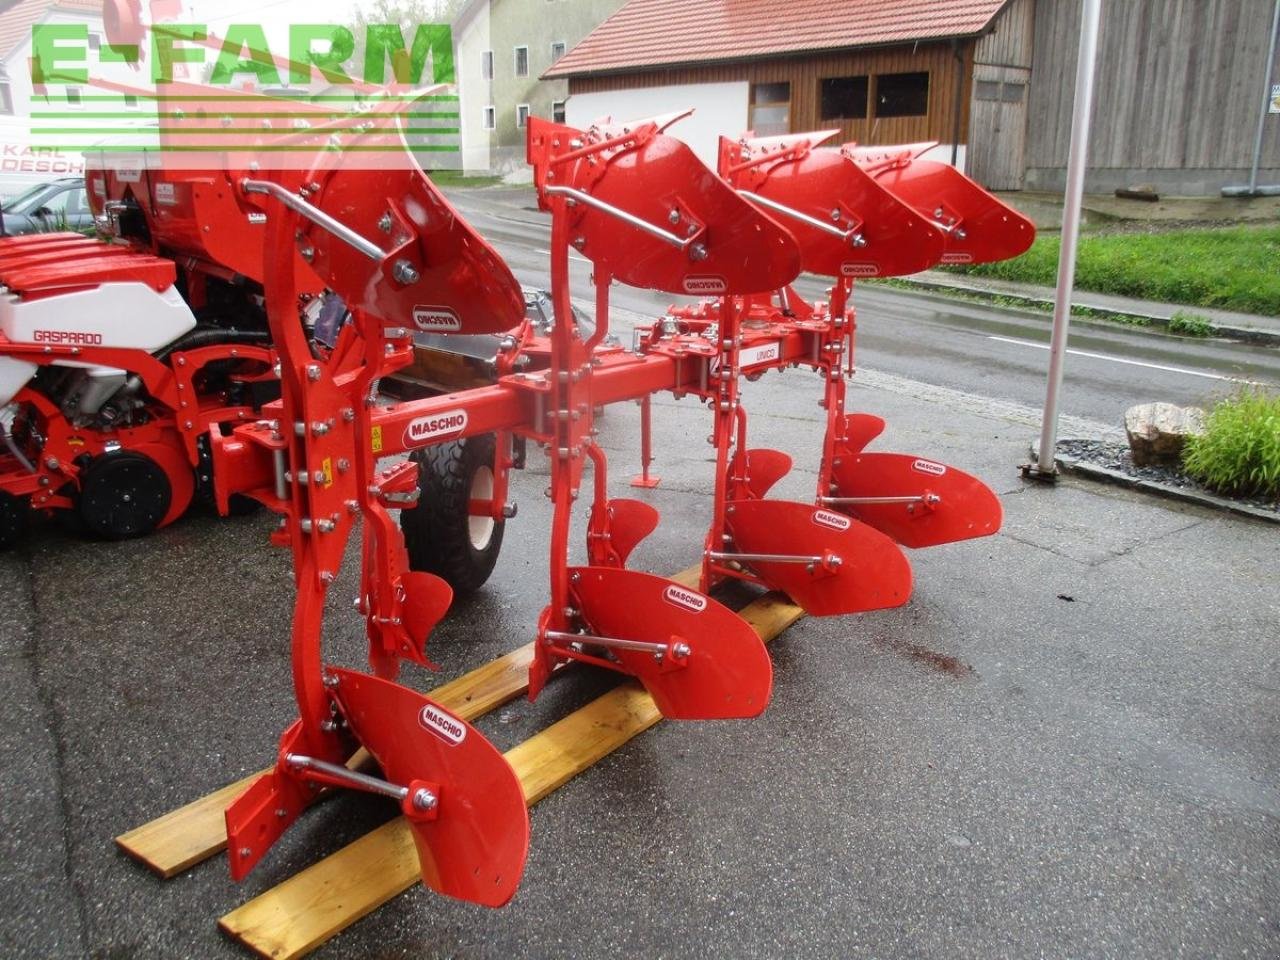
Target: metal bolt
{"type": "Point", "coordinates": [52, 463]}
{"type": "Point", "coordinates": [835, 214]}
{"type": "Point", "coordinates": [674, 216]}
{"type": "Point", "coordinates": [313, 374]}
{"type": "Point", "coordinates": [319, 428]}
{"type": "Point", "coordinates": [405, 272]}
{"type": "Point", "coordinates": [681, 650]}
{"type": "Point", "coordinates": [281, 812]}
{"type": "Point", "coordinates": [424, 801]}
{"type": "Point", "coordinates": [385, 223]}
{"type": "Point", "coordinates": [348, 415]}
{"type": "Point", "coordinates": [344, 465]}
{"type": "Point", "coordinates": [308, 253]}
{"type": "Point", "coordinates": [331, 680]}
{"type": "Point", "coordinates": [698, 251]}
{"type": "Point", "coordinates": [245, 852]}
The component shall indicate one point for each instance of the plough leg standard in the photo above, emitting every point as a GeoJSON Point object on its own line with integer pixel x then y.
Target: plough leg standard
{"type": "Point", "coordinates": [639, 205]}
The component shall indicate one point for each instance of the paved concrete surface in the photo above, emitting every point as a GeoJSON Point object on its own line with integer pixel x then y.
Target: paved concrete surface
{"type": "Point", "coordinates": [1063, 746]}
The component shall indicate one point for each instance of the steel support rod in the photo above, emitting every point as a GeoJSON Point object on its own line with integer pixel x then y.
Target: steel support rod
{"type": "Point", "coordinates": [1047, 465]}
{"type": "Point", "coordinates": [357, 781]}
{"type": "Point", "coordinates": [851, 235]}
{"type": "Point", "coordinates": [315, 215]}
{"type": "Point", "coordinates": [721, 557]}
{"type": "Point", "coordinates": [617, 212]}
{"type": "Point", "coordinates": [559, 636]}
{"type": "Point", "coordinates": [837, 501]}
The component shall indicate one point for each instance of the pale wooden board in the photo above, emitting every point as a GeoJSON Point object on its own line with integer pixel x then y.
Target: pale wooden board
{"type": "Point", "coordinates": [191, 834]}
{"type": "Point", "coordinates": [298, 915]}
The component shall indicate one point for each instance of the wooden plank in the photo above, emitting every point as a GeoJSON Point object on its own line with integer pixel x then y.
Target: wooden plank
{"type": "Point", "coordinates": [298, 915]}
{"type": "Point", "coordinates": [191, 834]}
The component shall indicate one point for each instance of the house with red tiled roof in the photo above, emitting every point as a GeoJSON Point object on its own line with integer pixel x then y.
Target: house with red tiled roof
{"type": "Point", "coordinates": [1179, 87]}
{"type": "Point", "coordinates": [20, 165]}
{"type": "Point", "coordinates": [879, 71]}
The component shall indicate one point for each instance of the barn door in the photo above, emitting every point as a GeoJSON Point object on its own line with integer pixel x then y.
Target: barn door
{"type": "Point", "coordinates": [998, 127]}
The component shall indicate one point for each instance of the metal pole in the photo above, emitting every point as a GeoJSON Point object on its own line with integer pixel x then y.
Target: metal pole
{"type": "Point", "coordinates": [1266, 102]}
{"type": "Point", "coordinates": [1046, 465]}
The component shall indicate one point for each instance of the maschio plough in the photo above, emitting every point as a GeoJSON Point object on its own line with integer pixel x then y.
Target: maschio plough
{"type": "Point", "coordinates": [640, 206]}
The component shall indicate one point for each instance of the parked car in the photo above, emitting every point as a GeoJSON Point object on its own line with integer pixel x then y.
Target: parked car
{"type": "Point", "coordinates": [57, 205]}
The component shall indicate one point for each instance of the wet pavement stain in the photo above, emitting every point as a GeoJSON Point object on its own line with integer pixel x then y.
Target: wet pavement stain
{"type": "Point", "coordinates": [942, 662]}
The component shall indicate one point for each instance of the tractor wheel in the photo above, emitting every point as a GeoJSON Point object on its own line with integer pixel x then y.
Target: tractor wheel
{"type": "Point", "coordinates": [13, 520]}
{"type": "Point", "coordinates": [440, 534]}
{"type": "Point", "coordinates": [123, 494]}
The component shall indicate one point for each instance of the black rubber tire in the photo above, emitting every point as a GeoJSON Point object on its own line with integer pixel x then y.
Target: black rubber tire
{"type": "Point", "coordinates": [14, 513]}
{"type": "Point", "coordinates": [438, 532]}
{"type": "Point", "coordinates": [123, 494]}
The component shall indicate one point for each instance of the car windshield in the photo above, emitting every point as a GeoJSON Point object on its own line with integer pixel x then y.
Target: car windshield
{"type": "Point", "coordinates": [27, 198]}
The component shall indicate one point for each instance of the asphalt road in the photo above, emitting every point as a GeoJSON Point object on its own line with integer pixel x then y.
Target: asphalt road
{"type": "Point", "coordinates": [982, 350]}
{"type": "Point", "coordinates": [1064, 745]}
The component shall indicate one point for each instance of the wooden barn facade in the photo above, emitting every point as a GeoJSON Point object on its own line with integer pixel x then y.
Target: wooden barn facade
{"type": "Point", "coordinates": [1179, 86]}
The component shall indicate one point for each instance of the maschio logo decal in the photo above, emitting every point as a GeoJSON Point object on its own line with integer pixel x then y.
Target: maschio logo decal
{"type": "Point", "coordinates": [435, 426]}
{"type": "Point", "coordinates": [929, 467]}
{"type": "Point", "coordinates": [765, 353]}
{"type": "Point", "coordinates": [685, 598]}
{"type": "Point", "coordinates": [436, 320]}
{"type": "Point", "coordinates": [860, 269]}
{"type": "Point", "coordinates": [835, 521]}
{"type": "Point", "coordinates": [445, 727]}
{"type": "Point", "coordinates": [957, 258]}
{"type": "Point", "coordinates": [699, 285]}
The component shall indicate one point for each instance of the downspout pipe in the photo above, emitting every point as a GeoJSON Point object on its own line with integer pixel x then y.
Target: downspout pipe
{"type": "Point", "coordinates": [1253, 190]}
{"type": "Point", "coordinates": [958, 51]}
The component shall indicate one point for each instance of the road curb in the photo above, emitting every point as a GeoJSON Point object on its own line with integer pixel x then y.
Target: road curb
{"type": "Point", "coordinates": [1262, 338]}
{"type": "Point", "coordinates": [1091, 471]}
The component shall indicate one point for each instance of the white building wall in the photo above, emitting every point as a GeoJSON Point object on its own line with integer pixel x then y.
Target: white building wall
{"type": "Point", "coordinates": [20, 165]}
{"type": "Point", "coordinates": [471, 37]}
{"type": "Point", "coordinates": [720, 109]}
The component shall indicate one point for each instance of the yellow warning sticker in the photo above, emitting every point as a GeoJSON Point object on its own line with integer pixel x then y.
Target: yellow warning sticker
{"type": "Point", "coordinates": [326, 467]}
{"type": "Point", "coordinates": [376, 439]}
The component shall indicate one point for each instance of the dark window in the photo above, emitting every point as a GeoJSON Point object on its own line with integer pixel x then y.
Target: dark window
{"type": "Point", "coordinates": [1013, 92]}
{"type": "Point", "coordinates": [770, 109]}
{"type": "Point", "coordinates": [902, 95]}
{"type": "Point", "coordinates": [557, 111]}
{"type": "Point", "coordinates": [486, 65]}
{"type": "Point", "coordinates": [522, 115]}
{"type": "Point", "coordinates": [522, 61]}
{"type": "Point", "coordinates": [6, 96]}
{"type": "Point", "coordinates": [557, 50]}
{"type": "Point", "coordinates": [844, 98]}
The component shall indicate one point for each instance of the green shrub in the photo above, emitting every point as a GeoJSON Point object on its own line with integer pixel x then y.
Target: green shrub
{"type": "Point", "coordinates": [1239, 451]}
{"type": "Point", "coordinates": [1190, 324]}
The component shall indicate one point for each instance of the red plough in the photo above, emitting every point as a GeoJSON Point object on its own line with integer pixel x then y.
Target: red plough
{"type": "Point", "coordinates": [398, 261]}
